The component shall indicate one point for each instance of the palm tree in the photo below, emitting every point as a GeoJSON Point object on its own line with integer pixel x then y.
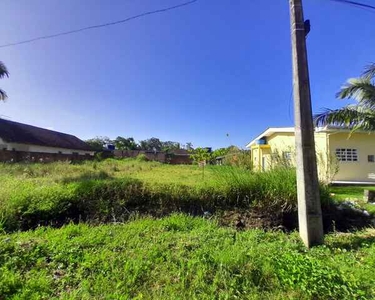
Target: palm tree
{"type": "Point", "coordinates": [354, 116]}
{"type": "Point", "coordinates": [3, 72]}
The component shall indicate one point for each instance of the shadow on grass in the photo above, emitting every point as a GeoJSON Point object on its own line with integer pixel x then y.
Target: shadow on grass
{"type": "Point", "coordinates": [87, 176]}
{"type": "Point", "coordinates": [345, 219]}
{"type": "Point", "coordinates": [354, 242]}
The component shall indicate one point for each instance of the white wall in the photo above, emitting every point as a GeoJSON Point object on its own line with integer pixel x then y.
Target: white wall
{"type": "Point", "coordinates": [43, 149]}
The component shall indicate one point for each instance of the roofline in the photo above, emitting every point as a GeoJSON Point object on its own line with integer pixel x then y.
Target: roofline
{"type": "Point", "coordinates": [272, 130]}
{"type": "Point", "coordinates": [88, 148]}
{"type": "Point", "coordinates": [39, 127]}
{"type": "Point", "coordinates": [269, 131]}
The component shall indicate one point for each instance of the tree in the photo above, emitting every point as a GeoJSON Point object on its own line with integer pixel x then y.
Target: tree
{"type": "Point", "coordinates": [98, 142]}
{"type": "Point", "coordinates": [152, 144]}
{"type": "Point", "coordinates": [189, 146]}
{"type": "Point", "coordinates": [219, 153]}
{"type": "Point", "coordinates": [170, 146]}
{"type": "Point", "coordinates": [359, 116]}
{"type": "Point", "coordinates": [3, 73]}
{"type": "Point", "coordinates": [122, 143]}
{"type": "Point", "coordinates": [200, 156]}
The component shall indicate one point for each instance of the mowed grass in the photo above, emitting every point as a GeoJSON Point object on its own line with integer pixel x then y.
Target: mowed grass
{"type": "Point", "coordinates": [182, 257]}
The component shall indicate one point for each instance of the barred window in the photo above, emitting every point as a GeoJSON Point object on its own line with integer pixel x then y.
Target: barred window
{"type": "Point", "coordinates": [287, 155]}
{"type": "Point", "coordinates": [346, 154]}
{"type": "Point", "coordinates": [371, 158]}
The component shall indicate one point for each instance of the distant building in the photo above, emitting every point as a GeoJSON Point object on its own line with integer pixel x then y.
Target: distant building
{"type": "Point", "coordinates": [353, 154]}
{"type": "Point", "coordinates": [18, 137]}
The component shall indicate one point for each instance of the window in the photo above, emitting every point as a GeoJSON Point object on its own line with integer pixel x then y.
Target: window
{"type": "Point", "coordinates": [287, 155]}
{"type": "Point", "coordinates": [346, 154]}
{"type": "Point", "coordinates": [371, 158]}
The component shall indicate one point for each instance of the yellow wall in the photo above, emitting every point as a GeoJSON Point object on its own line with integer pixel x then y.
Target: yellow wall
{"type": "Point", "coordinates": [282, 141]}
{"type": "Point", "coordinates": [326, 145]}
{"type": "Point", "coordinates": [259, 155]}
{"type": "Point", "coordinates": [362, 170]}
{"type": "Point", "coordinates": [285, 142]}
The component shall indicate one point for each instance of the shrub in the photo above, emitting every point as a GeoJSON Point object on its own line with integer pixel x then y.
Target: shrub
{"type": "Point", "coordinates": [141, 157]}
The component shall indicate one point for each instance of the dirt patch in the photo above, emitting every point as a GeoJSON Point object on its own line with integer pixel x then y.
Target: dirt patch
{"type": "Point", "coordinates": [335, 218]}
{"type": "Point", "coordinates": [243, 219]}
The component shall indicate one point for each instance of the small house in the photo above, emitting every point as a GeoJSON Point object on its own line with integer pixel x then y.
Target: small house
{"type": "Point", "coordinates": [342, 155]}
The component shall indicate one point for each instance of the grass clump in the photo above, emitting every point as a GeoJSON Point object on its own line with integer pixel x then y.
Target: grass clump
{"type": "Point", "coordinates": [182, 257]}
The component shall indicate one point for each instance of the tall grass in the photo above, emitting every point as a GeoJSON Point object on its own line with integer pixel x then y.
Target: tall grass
{"type": "Point", "coordinates": [274, 190]}
{"type": "Point", "coordinates": [53, 194]}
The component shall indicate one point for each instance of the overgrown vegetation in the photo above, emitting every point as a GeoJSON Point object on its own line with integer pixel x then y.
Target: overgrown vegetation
{"type": "Point", "coordinates": [182, 257]}
{"type": "Point", "coordinates": [113, 190]}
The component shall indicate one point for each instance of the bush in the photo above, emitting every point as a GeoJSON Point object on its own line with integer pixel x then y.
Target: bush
{"type": "Point", "coordinates": [142, 157]}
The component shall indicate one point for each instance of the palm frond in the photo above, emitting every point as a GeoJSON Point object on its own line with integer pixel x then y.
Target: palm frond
{"type": "Point", "coordinates": [3, 70]}
{"type": "Point", "coordinates": [361, 90]}
{"type": "Point", "coordinates": [3, 95]}
{"type": "Point", "coordinates": [353, 117]}
{"type": "Point", "coordinates": [369, 71]}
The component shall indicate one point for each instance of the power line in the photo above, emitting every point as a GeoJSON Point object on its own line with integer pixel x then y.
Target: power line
{"type": "Point", "coordinates": [98, 26]}
{"type": "Point", "coordinates": [357, 4]}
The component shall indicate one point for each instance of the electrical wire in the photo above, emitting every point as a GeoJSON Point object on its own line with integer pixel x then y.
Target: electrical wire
{"type": "Point", "coordinates": [97, 26]}
{"type": "Point", "coordinates": [357, 4]}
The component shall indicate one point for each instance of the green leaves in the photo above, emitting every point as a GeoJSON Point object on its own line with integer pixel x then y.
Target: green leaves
{"type": "Point", "coordinates": [181, 257]}
{"type": "Point", "coordinates": [360, 116]}
{"type": "Point", "coordinates": [3, 73]}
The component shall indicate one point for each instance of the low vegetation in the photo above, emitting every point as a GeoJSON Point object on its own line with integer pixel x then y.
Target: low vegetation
{"type": "Point", "coordinates": [181, 257]}
{"type": "Point", "coordinates": [111, 246]}
{"type": "Point", "coordinates": [354, 194]}
{"type": "Point", "coordinates": [114, 190]}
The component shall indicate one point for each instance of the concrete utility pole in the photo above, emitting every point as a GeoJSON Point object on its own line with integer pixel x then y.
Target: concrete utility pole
{"type": "Point", "coordinates": [309, 208]}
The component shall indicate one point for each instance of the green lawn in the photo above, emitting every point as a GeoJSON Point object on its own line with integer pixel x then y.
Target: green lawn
{"type": "Point", "coordinates": [182, 257]}
{"type": "Point", "coordinates": [353, 193]}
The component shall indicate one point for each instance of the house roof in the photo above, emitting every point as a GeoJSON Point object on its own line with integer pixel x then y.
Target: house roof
{"type": "Point", "coordinates": [180, 152]}
{"type": "Point", "coordinates": [14, 132]}
{"type": "Point", "coordinates": [272, 130]}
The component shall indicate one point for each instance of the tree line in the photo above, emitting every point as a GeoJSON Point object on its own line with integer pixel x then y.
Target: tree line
{"type": "Point", "coordinates": [152, 144]}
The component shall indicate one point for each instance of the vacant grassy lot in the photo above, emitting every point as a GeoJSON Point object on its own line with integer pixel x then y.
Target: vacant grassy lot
{"type": "Point", "coordinates": [113, 190]}
{"type": "Point", "coordinates": [181, 257]}
{"type": "Point", "coordinates": [176, 257]}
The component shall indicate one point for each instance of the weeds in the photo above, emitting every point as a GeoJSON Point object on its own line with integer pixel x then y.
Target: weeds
{"type": "Point", "coordinates": [53, 194]}
{"type": "Point", "coordinates": [180, 257]}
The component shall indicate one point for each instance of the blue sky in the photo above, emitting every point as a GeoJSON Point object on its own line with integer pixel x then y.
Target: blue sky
{"type": "Point", "coordinates": [193, 74]}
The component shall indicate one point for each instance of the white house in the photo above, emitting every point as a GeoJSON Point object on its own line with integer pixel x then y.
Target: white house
{"type": "Point", "coordinates": [16, 136]}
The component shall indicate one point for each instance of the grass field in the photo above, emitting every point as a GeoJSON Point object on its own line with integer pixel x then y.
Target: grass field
{"type": "Point", "coordinates": [181, 257]}
{"type": "Point", "coordinates": [175, 257]}
{"type": "Point", "coordinates": [53, 194]}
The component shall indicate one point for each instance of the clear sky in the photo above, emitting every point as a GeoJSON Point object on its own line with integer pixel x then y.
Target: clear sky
{"type": "Point", "coordinates": [193, 74]}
